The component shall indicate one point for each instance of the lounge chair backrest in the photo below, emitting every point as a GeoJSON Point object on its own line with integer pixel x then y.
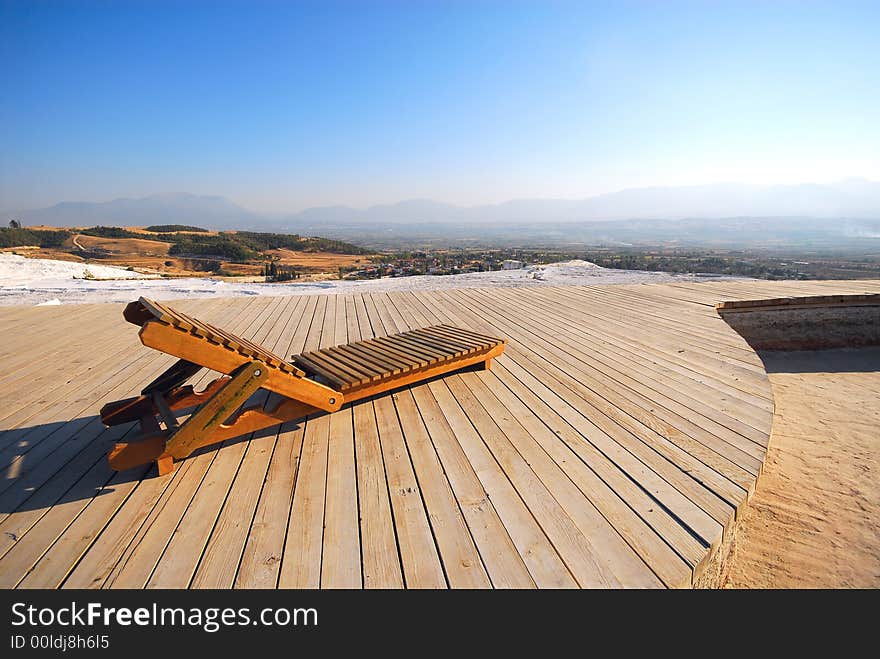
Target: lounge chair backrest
{"type": "Point", "coordinates": [145, 310]}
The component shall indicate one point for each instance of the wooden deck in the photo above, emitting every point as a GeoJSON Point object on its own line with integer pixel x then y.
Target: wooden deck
{"type": "Point", "coordinates": [611, 445]}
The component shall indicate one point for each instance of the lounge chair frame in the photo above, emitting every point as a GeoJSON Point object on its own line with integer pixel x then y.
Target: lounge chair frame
{"type": "Point", "coordinates": [313, 382]}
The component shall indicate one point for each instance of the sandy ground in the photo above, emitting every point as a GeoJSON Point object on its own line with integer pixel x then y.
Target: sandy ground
{"type": "Point", "coordinates": [814, 520]}
{"type": "Point", "coordinates": [40, 281]}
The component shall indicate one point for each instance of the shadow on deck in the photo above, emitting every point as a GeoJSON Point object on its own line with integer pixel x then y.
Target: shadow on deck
{"type": "Point", "coordinates": [63, 462]}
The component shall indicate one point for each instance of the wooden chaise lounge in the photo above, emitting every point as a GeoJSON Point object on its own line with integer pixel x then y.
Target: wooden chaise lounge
{"type": "Point", "coordinates": [322, 380]}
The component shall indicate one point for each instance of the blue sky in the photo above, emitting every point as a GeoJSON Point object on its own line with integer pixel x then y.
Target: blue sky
{"type": "Point", "coordinates": [283, 105]}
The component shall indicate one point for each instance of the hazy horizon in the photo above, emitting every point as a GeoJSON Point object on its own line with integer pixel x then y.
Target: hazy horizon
{"type": "Point", "coordinates": [287, 106]}
{"type": "Point", "coordinates": [171, 195]}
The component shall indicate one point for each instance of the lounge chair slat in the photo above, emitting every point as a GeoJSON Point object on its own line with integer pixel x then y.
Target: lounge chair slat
{"type": "Point", "coordinates": [398, 343]}
{"type": "Point", "coordinates": [470, 344]}
{"type": "Point", "coordinates": [476, 343]}
{"type": "Point", "coordinates": [205, 331]}
{"type": "Point", "coordinates": [442, 349]}
{"type": "Point", "coordinates": [356, 370]}
{"type": "Point", "coordinates": [227, 339]}
{"type": "Point", "coordinates": [230, 340]}
{"type": "Point", "coordinates": [422, 345]}
{"type": "Point", "coordinates": [469, 332]}
{"type": "Point", "coordinates": [358, 363]}
{"type": "Point", "coordinates": [439, 331]}
{"type": "Point", "coordinates": [181, 322]}
{"type": "Point", "coordinates": [402, 342]}
{"type": "Point", "coordinates": [380, 343]}
{"type": "Point", "coordinates": [395, 358]}
{"type": "Point", "coordinates": [310, 366]}
{"type": "Point", "coordinates": [343, 375]}
{"type": "Point", "coordinates": [492, 339]}
{"type": "Point", "coordinates": [444, 344]}
{"type": "Point", "coordinates": [158, 310]}
{"type": "Point", "coordinates": [385, 364]}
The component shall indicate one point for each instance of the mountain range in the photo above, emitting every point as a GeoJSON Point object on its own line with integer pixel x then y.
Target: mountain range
{"type": "Point", "coordinates": [850, 198]}
{"type": "Point", "coordinates": [850, 207]}
{"type": "Point", "coordinates": [178, 208]}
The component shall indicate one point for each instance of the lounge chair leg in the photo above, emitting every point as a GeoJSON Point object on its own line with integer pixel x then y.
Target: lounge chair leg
{"type": "Point", "coordinates": [174, 376]}
{"type": "Point", "coordinates": [132, 409]}
{"type": "Point", "coordinates": [487, 364]}
{"type": "Point", "coordinates": [128, 455]}
{"type": "Point", "coordinates": [208, 419]}
{"type": "Point", "coordinates": [152, 447]}
{"type": "Point", "coordinates": [165, 464]}
{"type": "Point", "coordinates": [197, 431]}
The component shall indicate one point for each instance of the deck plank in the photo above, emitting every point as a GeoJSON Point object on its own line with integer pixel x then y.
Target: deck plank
{"type": "Point", "coordinates": [341, 562]}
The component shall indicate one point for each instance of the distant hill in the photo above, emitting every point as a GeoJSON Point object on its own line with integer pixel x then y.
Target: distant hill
{"type": "Point", "coordinates": [179, 208]}
{"type": "Point", "coordinates": [852, 198]}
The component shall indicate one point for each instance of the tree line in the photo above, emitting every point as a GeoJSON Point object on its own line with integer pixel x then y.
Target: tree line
{"type": "Point", "coordinates": [234, 246]}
